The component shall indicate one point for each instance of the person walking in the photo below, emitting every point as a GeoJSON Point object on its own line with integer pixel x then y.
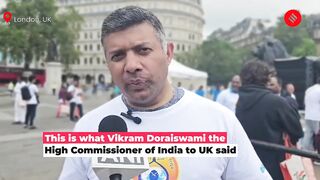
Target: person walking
{"type": "Point", "coordinates": [312, 117]}
{"type": "Point", "coordinates": [32, 103]}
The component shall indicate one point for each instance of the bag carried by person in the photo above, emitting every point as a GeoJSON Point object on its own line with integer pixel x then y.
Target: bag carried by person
{"type": "Point", "coordinates": [296, 167]}
{"type": "Point", "coordinates": [63, 109]}
{"type": "Point", "coordinates": [293, 169]}
{"type": "Point", "coordinates": [25, 93]}
{"type": "Point", "coordinates": [69, 96]}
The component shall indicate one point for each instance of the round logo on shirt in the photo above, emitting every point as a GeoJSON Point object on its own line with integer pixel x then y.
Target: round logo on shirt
{"type": "Point", "coordinates": [161, 169]}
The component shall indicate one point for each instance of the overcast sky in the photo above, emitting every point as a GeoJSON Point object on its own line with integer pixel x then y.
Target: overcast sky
{"type": "Point", "coordinates": [226, 13]}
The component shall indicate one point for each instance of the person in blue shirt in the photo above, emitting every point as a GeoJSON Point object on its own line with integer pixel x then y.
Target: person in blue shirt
{"type": "Point", "coordinates": [200, 91]}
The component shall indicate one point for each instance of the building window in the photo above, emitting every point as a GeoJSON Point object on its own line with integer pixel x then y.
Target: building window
{"type": "Point", "coordinates": [98, 47]}
{"type": "Point", "coordinates": [182, 47]}
{"type": "Point", "coordinates": [78, 47]}
{"type": "Point", "coordinates": [98, 35]}
{"type": "Point", "coordinates": [98, 60]}
{"type": "Point", "coordinates": [85, 61]}
{"type": "Point", "coordinates": [90, 60]}
{"type": "Point", "coordinates": [85, 47]}
{"type": "Point", "coordinates": [178, 47]}
{"type": "Point", "coordinates": [90, 35]}
{"type": "Point", "coordinates": [85, 35]}
{"type": "Point", "coordinates": [90, 47]}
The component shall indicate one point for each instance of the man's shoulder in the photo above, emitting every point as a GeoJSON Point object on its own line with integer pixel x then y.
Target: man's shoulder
{"type": "Point", "coordinates": [273, 98]}
{"type": "Point", "coordinates": [207, 104]}
{"type": "Point", "coordinates": [70, 88]}
{"type": "Point", "coordinates": [224, 92]}
{"type": "Point", "coordinates": [33, 86]}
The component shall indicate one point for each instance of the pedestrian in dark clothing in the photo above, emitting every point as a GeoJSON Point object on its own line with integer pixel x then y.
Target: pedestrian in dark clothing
{"type": "Point", "coordinates": [275, 85]}
{"type": "Point", "coordinates": [63, 92]}
{"type": "Point", "coordinates": [265, 116]}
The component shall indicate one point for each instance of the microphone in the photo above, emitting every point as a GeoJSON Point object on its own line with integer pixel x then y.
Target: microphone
{"type": "Point", "coordinates": [113, 123]}
{"type": "Point", "coordinates": [128, 115]}
{"type": "Point", "coordinates": [117, 168]}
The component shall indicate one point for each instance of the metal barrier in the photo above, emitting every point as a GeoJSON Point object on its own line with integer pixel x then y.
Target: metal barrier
{"type": "Point", "coordinates": [277, 147]}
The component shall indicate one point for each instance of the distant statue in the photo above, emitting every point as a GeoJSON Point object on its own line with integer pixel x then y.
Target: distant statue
{"type": "Point", "coordinates": [269, 50]}
{"type": "Point", "coordinates": [52, 51]}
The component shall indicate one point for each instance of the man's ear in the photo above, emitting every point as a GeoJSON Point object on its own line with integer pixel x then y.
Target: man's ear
{"type": "Point", "coordinates": [170, 52]}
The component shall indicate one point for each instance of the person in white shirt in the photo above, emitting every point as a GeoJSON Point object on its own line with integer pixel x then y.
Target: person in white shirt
{"type": "Point", "coordinates": [19, 104]}
{"type": "Point", "coordinates": [72, 102]}
{"type": "Point", "coordinates": [78, 95]}
{"type": "Point", "coordinates": [230, 96]}
{"type": "Point", "coordinates": [312, 115]}
{"type": "Point", "coordinates": [11, 88]}
{"type": "Point", "coordinates": [138, 57]}
{"type": "Point", "coordinates": [31, 104]}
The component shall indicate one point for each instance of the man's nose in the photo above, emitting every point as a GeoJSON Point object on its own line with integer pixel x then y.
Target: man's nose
{"type": "Point", "coordinates": [133, 63]}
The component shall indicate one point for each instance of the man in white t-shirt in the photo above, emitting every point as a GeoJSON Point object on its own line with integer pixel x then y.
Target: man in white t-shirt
{"type": "Point", "coordinates": [312, 115]}
{"type": "Point", "coordinates": [73, 101]}
{"type": "Point", "coordinates": [138, 58]}
{"type": "Point", "coordinates": [31, 104]}
{"type": "Point", "coordinates": [78, 95]}
{"type": "Point", "coordinates": [229, 97]}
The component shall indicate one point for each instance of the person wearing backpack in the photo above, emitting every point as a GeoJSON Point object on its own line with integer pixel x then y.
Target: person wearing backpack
{"type": "Point", "coordinates": [19, 103]}
{"type": "Point", "coordinates": [31, 104]}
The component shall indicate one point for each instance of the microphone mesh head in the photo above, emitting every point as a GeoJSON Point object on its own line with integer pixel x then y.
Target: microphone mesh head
{"type": "Point", "coordinates": [113, 123]}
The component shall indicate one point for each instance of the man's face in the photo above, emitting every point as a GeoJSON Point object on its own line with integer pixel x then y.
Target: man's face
{"type": "Point", "coordinates": [274, 86]}
{"type": "Point", "coordinates": [235, 83]}
{"type": "Point", "coordinates": [137, 63]}
{"type": "Point", "coordinates": [290, 88]}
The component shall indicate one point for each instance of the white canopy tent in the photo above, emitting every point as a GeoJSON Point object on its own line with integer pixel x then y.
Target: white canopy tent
{"type": "Point", "coordinates": [189, 78]}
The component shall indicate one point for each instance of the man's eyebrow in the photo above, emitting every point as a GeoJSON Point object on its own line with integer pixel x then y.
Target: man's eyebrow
{"type": "Point", "coordinates": [141, 45]}
{"type": "Point", "coordinates": [134, 47]}
{"type": "Point", "coordinates": [116, 51]}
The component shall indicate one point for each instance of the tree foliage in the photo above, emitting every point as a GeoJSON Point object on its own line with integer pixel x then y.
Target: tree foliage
{"type": "Point", "coordinates": [29, 41]}
{"type": "Point", "coordinates": [297, 39]}
{"type": "Point", "coordinates": [218, 58]}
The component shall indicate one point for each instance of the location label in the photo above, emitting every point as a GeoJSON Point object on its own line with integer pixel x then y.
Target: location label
{"type": "Point", "coordinates": [7, 16]}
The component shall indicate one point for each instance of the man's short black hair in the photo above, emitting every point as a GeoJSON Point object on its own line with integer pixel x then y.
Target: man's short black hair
{"type": "Point", "coordinates": [129, 16]}
{"type": "Point", "coordinates": [255, 73]}
{"type": "Point", "coordinates": [31, 78]}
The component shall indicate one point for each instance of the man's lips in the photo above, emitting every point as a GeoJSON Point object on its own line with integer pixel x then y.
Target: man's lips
{"type": "Point", "coordinates": [136, 84]}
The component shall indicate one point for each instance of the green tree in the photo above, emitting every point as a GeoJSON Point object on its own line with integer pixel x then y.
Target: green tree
{"type": "Point", "coordinates": [306, 48]}
{"type": "Point", "coordinates": [30, 41]}
{"type": "Point", "coordinates": [297, 39]}
{"type": "Point", "coordinates": [218, 58]}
